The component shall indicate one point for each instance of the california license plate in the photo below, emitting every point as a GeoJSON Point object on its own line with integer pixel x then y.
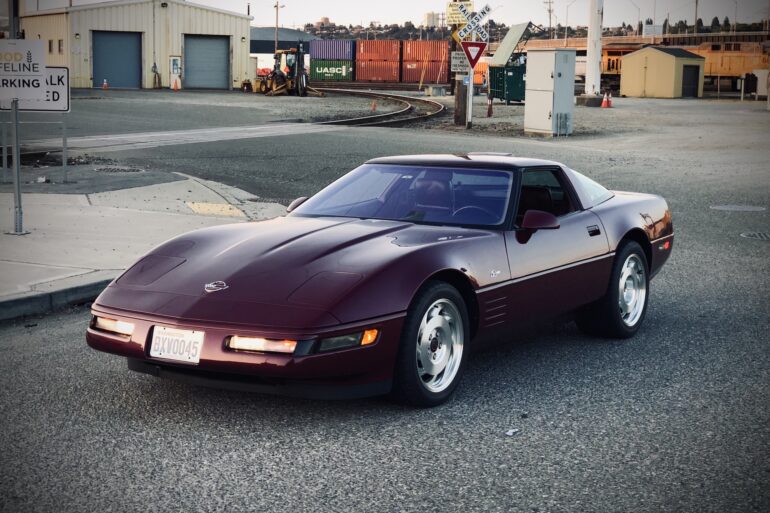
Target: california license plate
{"type": "Point", "coordinates": [174, 344]}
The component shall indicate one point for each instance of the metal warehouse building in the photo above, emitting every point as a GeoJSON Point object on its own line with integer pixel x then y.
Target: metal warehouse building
{"type": "Point", "coordinates": [126, 42]}
{"type": "Point", "coordinates": [662, 72]}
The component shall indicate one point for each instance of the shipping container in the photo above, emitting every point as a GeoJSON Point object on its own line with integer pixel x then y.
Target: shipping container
{"type": "Point", "coordinates": [419, 51]}
{"type": "Point", "coordinates": [481, 72]}
{"type": "Point", "coordinates": [341, 71]}
{"type": "Point", "coordinates": [383, 50]}
{"type": "Point", "coordinates": [333, 49]}
{"type": "Point", "coordinates": [377, 71]}
{"type": "Point", "coordinates": [425, 72]}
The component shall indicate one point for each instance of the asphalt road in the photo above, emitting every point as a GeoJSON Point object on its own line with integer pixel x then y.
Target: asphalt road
{"type": "Point", "coordinates": [675, 419]}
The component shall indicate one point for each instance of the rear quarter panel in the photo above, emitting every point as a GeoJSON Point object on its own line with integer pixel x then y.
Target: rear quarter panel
{"type": "Point", "coordinates": [648, 214]}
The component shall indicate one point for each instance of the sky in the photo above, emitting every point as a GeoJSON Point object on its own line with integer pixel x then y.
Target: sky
{"type": "Point", "coordinates": [298, 12]}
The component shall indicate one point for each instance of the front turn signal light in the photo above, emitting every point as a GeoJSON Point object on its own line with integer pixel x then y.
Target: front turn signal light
{"type": "Point", "coordinates": [113, 326]}
{"type": "Point", "coordinates": [261, 345]}
{"type": "Point", "coordinates": [369, 337]}
{"type": "Point", "coordinates": [364, 338]}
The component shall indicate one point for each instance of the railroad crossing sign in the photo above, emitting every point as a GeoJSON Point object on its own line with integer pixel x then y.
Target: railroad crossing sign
{"type": "Point", "coordinates": [473, 23]}
{"type": "Point", "coordinates": [473, 51]}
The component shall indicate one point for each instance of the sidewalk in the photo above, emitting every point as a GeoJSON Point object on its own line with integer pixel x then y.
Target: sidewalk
{"type": "Point", "coordinates": [79, 242]}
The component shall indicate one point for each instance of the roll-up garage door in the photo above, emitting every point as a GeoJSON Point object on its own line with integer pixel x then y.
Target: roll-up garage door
{"type": "Point", "coordinates": [206, 62]}
{"type": "Point", "coordinates": [118, 59]}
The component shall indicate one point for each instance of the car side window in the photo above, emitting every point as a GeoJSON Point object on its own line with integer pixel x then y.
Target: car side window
{"type": "Point", "coordinates": [543, 189]}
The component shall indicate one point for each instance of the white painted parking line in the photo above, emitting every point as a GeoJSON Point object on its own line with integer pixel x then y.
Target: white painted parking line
{"type": "Point", "coordinates": [120, 142]}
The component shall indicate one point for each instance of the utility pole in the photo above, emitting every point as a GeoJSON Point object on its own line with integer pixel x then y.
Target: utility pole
{"type": "Point", "coordinates": [695, 23]}
{"type": "Point", "coordinates": [456, 86]}
{"type": "Point", "coordinates": [735, 18]}
{"type": "Point", "coordinates": [277, 7]}
{"type": "Point", "coordinates": [549, 8]}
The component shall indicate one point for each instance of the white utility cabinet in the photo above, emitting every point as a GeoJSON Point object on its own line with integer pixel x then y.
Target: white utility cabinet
{"type": "Point", "coordinates": [550, 95]}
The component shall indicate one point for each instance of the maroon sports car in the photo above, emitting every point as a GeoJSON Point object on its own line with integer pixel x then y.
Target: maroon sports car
{"type": "Point", "coordinates": [381, 281]}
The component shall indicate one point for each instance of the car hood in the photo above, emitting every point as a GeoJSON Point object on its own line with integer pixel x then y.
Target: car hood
{"type": "Point", "coordinates": [287, 272]}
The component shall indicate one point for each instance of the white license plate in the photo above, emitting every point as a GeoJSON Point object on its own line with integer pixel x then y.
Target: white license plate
{"type": "Point", "coordinates": [173, 344]}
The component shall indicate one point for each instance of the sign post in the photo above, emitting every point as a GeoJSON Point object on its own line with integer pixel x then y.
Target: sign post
{"type": "Point", "coordinates": [473, 49]}
{"type": "Point", "coordinates": [21, 78]}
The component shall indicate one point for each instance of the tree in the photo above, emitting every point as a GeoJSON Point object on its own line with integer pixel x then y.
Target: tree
{"type": "Point", "coordinates": [623, 26]}
{"type": "Point", "coordinates": [699, 25]}
{"type": "Point", "coordinates": [715, 24]}
{"type": "Point", "coordinates": [665, 26]}
{"type": "Point", "coordinates": [726, 23]}
{"type": "Point", "coordinates": [648, 21]}
{"type": "Point", "coordinates": [639, 28]}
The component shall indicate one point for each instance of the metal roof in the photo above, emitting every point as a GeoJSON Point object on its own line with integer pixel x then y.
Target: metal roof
{"type": "Point", "coordinates": [676, 52]}
{"type": "Point", "coordinates": [284, 34]}
{"type": "Point", "coordinates": [509, 44]}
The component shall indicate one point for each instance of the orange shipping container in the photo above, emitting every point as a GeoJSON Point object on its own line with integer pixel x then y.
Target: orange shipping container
{"type": "Point", "coordinates": [415, 51]}
{"type": "Point", "coordinates": [383, 50]}
{"type": "Point", "coordinates": [377, 71]}
{"type": "Point", "coordinates": [481, 73]}
{"type": "Point", "coordinates": [435, 72]}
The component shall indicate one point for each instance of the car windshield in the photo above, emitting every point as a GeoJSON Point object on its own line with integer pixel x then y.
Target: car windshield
{"type": "Point", "coordinates": [419, 194]}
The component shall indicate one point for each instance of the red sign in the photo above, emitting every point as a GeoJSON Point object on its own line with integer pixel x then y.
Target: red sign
{"type": "Point", "coordinates": [473, 51]}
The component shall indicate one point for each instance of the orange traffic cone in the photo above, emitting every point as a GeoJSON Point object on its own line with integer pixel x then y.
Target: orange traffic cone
{"type": "Point", "coordinates": [605, 102]}
{"type": "Point", "coordinates": [609, 100]}
{"type": "Point", "coordinates": [175, 85]}
{"type": "Point", "coordinates": [105, 85]}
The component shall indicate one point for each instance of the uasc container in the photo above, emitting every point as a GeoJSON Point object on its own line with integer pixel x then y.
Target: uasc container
{"type": "Point", "coordinates": [333, 49]}
{"type": "Point", "coordinates": [340, 71]}
{"type": "Point", "coordinates": [382, 50]}
{"type": "Point", "coordinates": [426, 51]}
{"type": "Point", "coordinates": [377, 71]}
{"type": "Point", "coordinates": [426, 72]}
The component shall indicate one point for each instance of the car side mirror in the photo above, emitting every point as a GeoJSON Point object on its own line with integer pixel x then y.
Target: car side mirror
{"type": "Point", "coordinates": [538, 220]}
{"type": "Point", "coordinates": [297, 202]}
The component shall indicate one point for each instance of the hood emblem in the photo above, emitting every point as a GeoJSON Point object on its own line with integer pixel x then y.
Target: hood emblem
{"type": "Point", "coordinates": [215, 286]}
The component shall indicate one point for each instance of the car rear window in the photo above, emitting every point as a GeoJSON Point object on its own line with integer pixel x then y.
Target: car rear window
{"type": "Point", "coordinates": [594, 192]}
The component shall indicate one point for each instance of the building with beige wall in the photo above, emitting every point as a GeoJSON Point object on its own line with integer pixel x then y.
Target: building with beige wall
{"type": "Point", "coordinates": [144, 43]}
{"type": "Point", "coordinates": [662, 72]}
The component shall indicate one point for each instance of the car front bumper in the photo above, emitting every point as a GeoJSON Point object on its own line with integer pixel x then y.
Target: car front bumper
{"type": "Point", "coordinates": [348, 373]}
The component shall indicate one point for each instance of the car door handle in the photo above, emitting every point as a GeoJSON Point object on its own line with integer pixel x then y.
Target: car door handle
{"type": "Point", "coordinates": [593, 230]}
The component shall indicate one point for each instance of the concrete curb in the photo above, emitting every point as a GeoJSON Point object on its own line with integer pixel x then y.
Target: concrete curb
{"type": "Point", "coordinates": [44, 302]}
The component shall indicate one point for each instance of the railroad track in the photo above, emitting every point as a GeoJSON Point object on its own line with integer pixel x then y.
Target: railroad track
{"type": "Point", "coordinates": [377, 86]}
{"type": "Point", "coordinates": [412, 109]}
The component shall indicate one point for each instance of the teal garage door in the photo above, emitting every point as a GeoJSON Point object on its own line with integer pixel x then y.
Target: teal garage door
{"type": "Point", "coordinates": [117, 59]}
{"type": "Point", "coordinates": [206, 62]}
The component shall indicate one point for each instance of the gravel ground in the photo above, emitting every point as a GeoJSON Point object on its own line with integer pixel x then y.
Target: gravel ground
{"type": "Point", "coordinates": [675, 419]}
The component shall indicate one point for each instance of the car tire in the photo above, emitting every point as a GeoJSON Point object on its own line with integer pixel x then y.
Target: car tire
{"type": "Point", "coordinates": [434, 346]}
{"type": "Point", "coordinates": [620, 312]}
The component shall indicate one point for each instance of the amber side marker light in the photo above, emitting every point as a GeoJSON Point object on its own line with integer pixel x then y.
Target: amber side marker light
{"type": "Point", "coordinates": [364, 338]}
{"type": "Point", "coordinates": [370, 337]}
{"type": "Point", "coordinates": [113, 326]}
{"type": "Point", "coordinates": [261, 345]}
